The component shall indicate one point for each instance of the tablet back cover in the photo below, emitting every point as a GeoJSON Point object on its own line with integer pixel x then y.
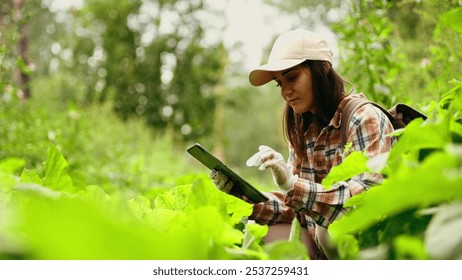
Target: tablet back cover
{"type": "Point", "coordinates": [240, 186]}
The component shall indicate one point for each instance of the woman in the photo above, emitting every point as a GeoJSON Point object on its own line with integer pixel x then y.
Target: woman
{"type": "Point", "coordinates": [300, 63]}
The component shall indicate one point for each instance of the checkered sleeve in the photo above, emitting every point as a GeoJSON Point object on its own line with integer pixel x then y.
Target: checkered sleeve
{"type": "Point", "coordinates": [273, 211]}
{"type": "Point", "coordinates": [368, 130]}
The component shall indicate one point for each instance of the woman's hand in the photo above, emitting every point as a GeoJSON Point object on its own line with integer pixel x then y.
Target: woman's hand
{"type": "Point", "coordinates": [221, 181]}
{"type": "Point", "coordinates": [269, 158]}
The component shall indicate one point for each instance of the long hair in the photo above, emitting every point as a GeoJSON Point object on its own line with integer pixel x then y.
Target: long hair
{"type": "Point", "coordinates": [328, 91]}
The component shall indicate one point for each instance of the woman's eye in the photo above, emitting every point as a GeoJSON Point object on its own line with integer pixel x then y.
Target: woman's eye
{"type": "Point", "coordinates": [291, 78]}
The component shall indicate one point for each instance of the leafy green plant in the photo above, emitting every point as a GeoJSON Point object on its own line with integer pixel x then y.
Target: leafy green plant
{"type": "Point", "coordinates": [369, 58]}
{"type": "Point", "coordinates": [51, 219]}
{"type": "Point", "coordinates": [422, 174]}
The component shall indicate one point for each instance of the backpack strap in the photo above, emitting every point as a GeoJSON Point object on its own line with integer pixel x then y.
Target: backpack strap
{"type": "Point", "coordinates": [400, 115]}
{"type": "Point", "coordinates": [351, 107]}
{"type": "Point", "coordinates": [347, 113]}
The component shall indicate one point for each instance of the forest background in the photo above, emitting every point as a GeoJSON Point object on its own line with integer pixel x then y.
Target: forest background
{"type": "Point", "coordinates": [122, 88]}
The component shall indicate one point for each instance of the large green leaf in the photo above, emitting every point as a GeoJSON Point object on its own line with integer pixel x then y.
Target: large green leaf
{"type": "Point", "coordinates": [354, 164]}
{"type": "Point", "coordinates": [443, 238]}
{"type": "Point", "coordinates": [409, 187]}
{"type": "Point", "coordinates": [347, 247]}
{"type": "Point", "coordinates": [163, 219]}
{"type": "Point", "coordinates": [95, 193]}
{"type": "Point", "coordinates": [286, 250]}
{"type": "Point", "coordinates": [73, 228]}
{"type": "Point", "coordinates": [36, 190]}
{"type": "Point", "coordinates": [409, 247]}
{"type": "Point", "coordinates": [204, 192]}
{"type": "Point", "coordinates": [7, 181]}
{"type": "Point", "coordinates": [11, 164]}
{"type": "Point", "coordinates": [419, 135]}
{"type": "Point", "coordinates": [453, 18]}
{"type": "Point", "coordinates": [30, 176]}
{"type": "Point", "coordinates": [140, 206]}
{"type": "Point", "coordinates": [174, 199]}
{"type": "Point", "coordinates": [56, 176]}
{"type": "Point", "coordinates": [78, 229]}
{"type": "Point", "coordinates": [253, 236]}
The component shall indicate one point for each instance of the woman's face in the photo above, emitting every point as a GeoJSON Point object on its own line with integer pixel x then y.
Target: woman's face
{"type": "Point", "coordinates": [296, 88]}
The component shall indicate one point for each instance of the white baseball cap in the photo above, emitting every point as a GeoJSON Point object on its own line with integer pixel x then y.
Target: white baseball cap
{"type": "Point", "coordinates": [290, 49]}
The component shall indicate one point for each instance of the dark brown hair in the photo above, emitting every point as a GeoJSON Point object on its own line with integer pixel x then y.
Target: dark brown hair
{"type": "Point", "coordinates": [328, 91]}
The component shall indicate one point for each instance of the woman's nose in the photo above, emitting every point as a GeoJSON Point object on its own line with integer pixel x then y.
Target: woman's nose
{"type": "Point", "coordinates": [286, 90]}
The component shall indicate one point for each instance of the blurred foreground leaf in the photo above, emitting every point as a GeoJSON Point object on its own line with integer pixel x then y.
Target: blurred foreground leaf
{"type": "Point", "coordinates": [443, 238]}
{"type": "Point", "coordinates": [452, 19]}
{"type": "Point", "coordinates": [409, 187]}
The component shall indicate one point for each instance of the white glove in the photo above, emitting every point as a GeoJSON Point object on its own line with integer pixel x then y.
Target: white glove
{"type": "Point", "coordinates": [221, 181]}
{"type": "Point", "coordinates": [269, 158]}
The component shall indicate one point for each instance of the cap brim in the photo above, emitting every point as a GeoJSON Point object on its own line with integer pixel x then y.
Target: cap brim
{"type": "Point", "coordinates": [263, 75]}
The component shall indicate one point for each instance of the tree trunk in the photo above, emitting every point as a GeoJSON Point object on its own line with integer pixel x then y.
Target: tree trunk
{"type": "Point", "coordinates": [21, 76]}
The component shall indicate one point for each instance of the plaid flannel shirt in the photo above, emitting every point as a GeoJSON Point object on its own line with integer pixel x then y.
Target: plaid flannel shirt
{"type": "Point", "coordinates": [308, 199]}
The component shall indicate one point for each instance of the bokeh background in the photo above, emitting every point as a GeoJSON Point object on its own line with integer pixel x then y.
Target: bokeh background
{"type": "Point", "coordinates": [122, 88]}
{"type": "Point", "coordinates": [99, 100]}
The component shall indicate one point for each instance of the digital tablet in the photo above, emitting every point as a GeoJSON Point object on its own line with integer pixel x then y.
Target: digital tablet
{"type": "Point", "coordinates": [240, 186]}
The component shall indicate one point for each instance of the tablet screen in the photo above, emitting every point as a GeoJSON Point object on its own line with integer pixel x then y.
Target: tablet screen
{"type": "Point", "coordinates": [240, 186]}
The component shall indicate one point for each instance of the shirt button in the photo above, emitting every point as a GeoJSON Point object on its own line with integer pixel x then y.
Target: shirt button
{"type": "Point", "coordinates": [319, 163]}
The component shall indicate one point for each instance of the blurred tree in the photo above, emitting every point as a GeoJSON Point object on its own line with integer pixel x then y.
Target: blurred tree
{"type": "Point", "coordinates": [153, 59]}
{"type": "Point", "coordinates": [6, 43]}
{"type": "Point", "coordinates": [391, 50]}
{"type": "Point", "coordinates": [432, 52]}
{"type": "Point", "coordinates": [22, 71]}
{"type": "Point", "coordinates": [388, 49]}
{"type": "Point", "coordinates": [369, 54]}
{"type": "Point", "coordinates": [311, 12]}
{"type": "Point", "coordinates": [14, 42]}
